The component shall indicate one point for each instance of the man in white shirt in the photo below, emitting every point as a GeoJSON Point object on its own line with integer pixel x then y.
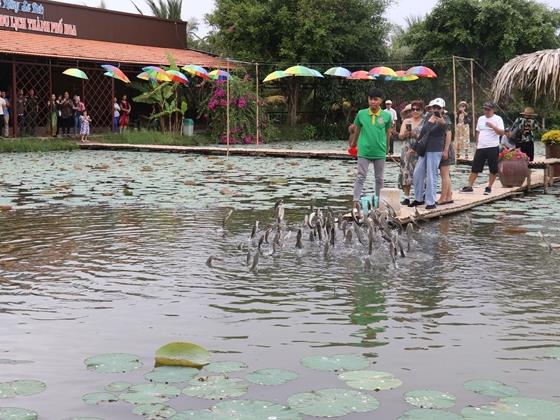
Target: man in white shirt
{"type": "Point", "coordinates": [393, 112]}
{"type": "Point", "coordinates": [489, 128]}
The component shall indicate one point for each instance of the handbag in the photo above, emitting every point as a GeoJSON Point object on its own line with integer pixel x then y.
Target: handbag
{"type": "Point", "coordinates": [422, 143]}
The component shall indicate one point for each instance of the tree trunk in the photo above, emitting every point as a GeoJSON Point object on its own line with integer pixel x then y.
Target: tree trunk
{"type": "Point", "coordinates": [293, 94]}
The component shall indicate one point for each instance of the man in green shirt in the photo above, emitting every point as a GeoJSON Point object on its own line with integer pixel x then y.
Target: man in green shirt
{"type": "Point", "coordinates": [372, 132]}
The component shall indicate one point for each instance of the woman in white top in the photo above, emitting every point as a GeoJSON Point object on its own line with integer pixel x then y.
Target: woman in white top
{"type": "Point", "coordinates": [116, 115]}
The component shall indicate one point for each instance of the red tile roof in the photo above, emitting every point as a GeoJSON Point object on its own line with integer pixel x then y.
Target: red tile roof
{"type": "Point", "coordinates": [84, 49]}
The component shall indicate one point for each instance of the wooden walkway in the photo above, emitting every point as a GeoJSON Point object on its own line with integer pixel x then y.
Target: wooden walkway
{"type": "Point", "coordinates": [462, 201]}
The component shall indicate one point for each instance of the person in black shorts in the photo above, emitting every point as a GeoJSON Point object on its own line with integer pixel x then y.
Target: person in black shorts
{"type": "Point", "coordinates": [489, 128]}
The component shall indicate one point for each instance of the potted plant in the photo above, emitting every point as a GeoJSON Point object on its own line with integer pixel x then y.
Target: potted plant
{"type": "Point", "coordinates": [513, 167]}
{"type": "Point", "coordinates": [551, 140]}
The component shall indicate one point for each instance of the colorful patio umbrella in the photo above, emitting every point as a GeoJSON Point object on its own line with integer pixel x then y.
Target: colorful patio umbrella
{"type": "Point", "coordinates": [338, 72]}
{"type": "Point", "coordinates": [75, 73]}
{"type": "Point", "coordinates": [382, 71]}
{"type": "Point", "coordinates": [402, 76]}
{"type": "Point", "coordinates": [275, 75]}
{"type": "Point", "coordinates": [144, 76]}
{"type": "Point", "coordinates": [115, 73]}
{"type": "Point", "coordinates": [302, 71]}
{"type": "Point", "coordinates": [177, 77]}
{"type": "Point", "coordinates": [157, 73]}
{"type": "Point", "coordinates": [196, 71]}
{"type": "Point", "coordinates": [219, 75]}
{"type": "Point", "coordinates": [317, 73]}
{"type": "Point", "coordinates": [422, 71]}
{"type": "Point", "coordinates": [360, 75]}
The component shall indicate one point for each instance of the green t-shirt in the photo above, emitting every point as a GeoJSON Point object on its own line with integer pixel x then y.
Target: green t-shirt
{"type": "Point", "coordinates": [372, 143]}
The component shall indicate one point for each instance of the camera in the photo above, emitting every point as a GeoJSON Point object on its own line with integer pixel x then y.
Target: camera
{"type": "Point", "coordinates": [437, 114]}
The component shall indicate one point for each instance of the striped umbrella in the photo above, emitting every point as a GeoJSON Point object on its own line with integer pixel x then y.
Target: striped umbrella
{"type": "Point", "coordinates": [115, 73]}
{"type": "Point", "coordinates": [157, 73]}
{"type": "Point", "coordinates": [177, 77]}
{"type": "Point", "coordinates": [302, 71]}
{"type": "Point", "coordinates": [219, 75]}
{"type": "Point", "coordinates": [402, 76]}
{"type": "Point", "coordinates": [275, 75]}
{"type": "Point", "coordinates": [75, 73]}
{"type": "Point", "coordinates": [195, 70]}
{"type": "Point", "coordinates": [338, 72]}
{"type": "Point", "coordinates": [143, 76]}
{"type": "Point", "coordinates": [382, 71]}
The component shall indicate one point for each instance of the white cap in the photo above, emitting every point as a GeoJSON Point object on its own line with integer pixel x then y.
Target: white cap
{"type": "Point", "coordinates": [389, 102]}
{"type": "Point", "coordinates": [438, 102]}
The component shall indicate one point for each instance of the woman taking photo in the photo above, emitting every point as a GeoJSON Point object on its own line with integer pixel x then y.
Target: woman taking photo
{"type": "Point", "coordinates": [410, 132]}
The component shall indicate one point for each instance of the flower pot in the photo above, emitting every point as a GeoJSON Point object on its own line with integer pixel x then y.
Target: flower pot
{"type": "Point", "coordinates": [512, 173]}
{"type": "Point", "coordinates": [553, 151]}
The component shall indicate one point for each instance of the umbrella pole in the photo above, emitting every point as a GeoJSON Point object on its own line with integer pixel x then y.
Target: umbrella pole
{"type": "Point", "coordinates": [473, 119]}
{"type": "Point", "coordinates": [227, 110]}
{"type": "Point", "coordinates": [257, 100]}
{"type": "Point", "coordinates": [454, 100]}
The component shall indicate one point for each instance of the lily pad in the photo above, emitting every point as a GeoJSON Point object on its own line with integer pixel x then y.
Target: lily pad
{"type": "Point", "coordinates": [15, 413]}
{"type": "Point", "coordinates": [154, 411]}
{"type": "Point", "coordinates": [427, 398]}
{"type": "Point", "coordinates": [150, 394]}
{"type": "Point", "coordinates": [271, 376]}
{"type": "Point", "coordinates": [553, 353]}
{"type": "Point", "coordinates": [118, 386]}
{"type": "Point", "coordinates": [21, 387]}
{"type": "Point", "coordinates": [370, 380]}
{"type": "Point", "coordinates": [225, 367]}
{"type": "Point", "coordinates": [491, 388]}
{"type": "Point", "coordinates": [96, 398]}
{"type": "Point", "coordinates": [241, 410]}
{"type": "Point", "coordinates": [113, 362]}
{"type": "Point", "coordinates": [182, 354]}
{"type": "Point", "coordinates": [216, 387]}
{"type": "Point", "coordinates": [427, 414]}
{"type": "Point", "coordinates": [335, 362]}
{"type": "Point", "coordinates": [513, 408]}
{"type": "Point", "coordinates": [332, 402]}
{"type": "Point", "coordinates": [171, 374]}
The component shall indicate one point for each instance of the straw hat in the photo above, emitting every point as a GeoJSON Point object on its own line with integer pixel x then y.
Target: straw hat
{"type": "Point", "coordinates": [462, 103]}
{"type": "Point", "coordinates": [529, 111]}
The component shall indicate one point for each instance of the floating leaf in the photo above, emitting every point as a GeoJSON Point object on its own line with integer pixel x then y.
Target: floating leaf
{"type": "Point", "coordinates": [99, 397]}
{"type": "Point", "coordinates": [15, 413]}
{"type": "Point", "coordinates": [113, 362]}
{"type": "Point", "coordinates": [21, 387]}
{"type": "Point", "coordinates": [553, 353]}
{"type": "Point", "coordinates": [271, 376]}
{"type": "Point", "coordinates": [241, 410]}
{"type": "Point", "coordinates": [118, 386]}
{"type": "Point", "coordinates": [335, 362]}
{"type": "Point", "coordinates": [182, 354]}
{"type": "Point", "coordinates": [225, 367]}
{"type": "Point", "coordinates": [171, 374]}
{"type": "Point", "coordinates": [154, 411]}
{"type": "Point", "coordinates": [427, 398]}
{"type": "Point", "coordinates": [370, 380]}
{"type": "Point", "coordinates": [216, 387]}
{"type": "Point", "coordinates": [332, 402]}
{"type": "Point", "coordinates": [514, 407]}
{"type": "Point", "coordinates": [150, 393]}
{"type": "Point", "coordinates": [427, 414]}
{"type": "Point", "coordinates": [491, 388]}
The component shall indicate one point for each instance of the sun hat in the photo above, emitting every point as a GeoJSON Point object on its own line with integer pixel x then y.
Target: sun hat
{"type": "Point", "coordinates": [437, 102]}
{"type": "Point", "coordinates": [389, 102]}
{"type": "Point", "coordinates": [407, 108]}
{"type": "Point", "coordinates": [528, 111]}
{"type": "Point", "coordinates": [462, 103]}
{"type": "Point", "coordinates": [489, 104]}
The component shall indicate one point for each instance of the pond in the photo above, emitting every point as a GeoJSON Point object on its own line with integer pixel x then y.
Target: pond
{"type": "Point", "coordinates": [107, 252]}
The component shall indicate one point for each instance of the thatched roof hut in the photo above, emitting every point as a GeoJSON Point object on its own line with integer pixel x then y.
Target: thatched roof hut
{"type": "Point", "coordinates": [536, 75]}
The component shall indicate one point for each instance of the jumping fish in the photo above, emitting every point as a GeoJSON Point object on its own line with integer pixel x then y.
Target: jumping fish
{"type": "Point", "coordinates": [226, 218]}
{"type": "Point", "coordinates": [255, 229]}
{"type": "Point", "coordinates": [261, 240]}
{"type": "Point", "coordinates": [333, 236]}
{"type": "Point", "coordinates": [255, 265]}
{"type": "Point", "coordinates": [326, 249]}
{"type": "Point", "coordinates": [348, 238]}
{"type": "Point", "coordinates": [299, 243]}
{"type": "Point", "coordinates": [409, 233]}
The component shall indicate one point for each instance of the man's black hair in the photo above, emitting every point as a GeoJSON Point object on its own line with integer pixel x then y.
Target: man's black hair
{"type": "Point", "coordinates": [375, 93]}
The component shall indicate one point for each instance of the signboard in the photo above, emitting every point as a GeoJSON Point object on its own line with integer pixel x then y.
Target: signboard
{"type": "Point", "coordinates": [33, 24]}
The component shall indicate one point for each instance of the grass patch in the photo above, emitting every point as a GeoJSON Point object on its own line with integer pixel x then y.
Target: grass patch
{"type": "Point", "coordinates": [34, 144]}
{"type": "Point", "coordinates": [154, 137]}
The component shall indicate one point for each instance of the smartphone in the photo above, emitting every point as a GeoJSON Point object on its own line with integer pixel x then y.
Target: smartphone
{"type": "Point", "coordinates": [408, 127]}
{"type": "Point", "coordinates": [437, 114]}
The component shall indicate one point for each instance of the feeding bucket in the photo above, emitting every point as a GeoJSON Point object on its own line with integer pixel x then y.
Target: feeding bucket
{"type": "Point", "coordinates": [188, 127]}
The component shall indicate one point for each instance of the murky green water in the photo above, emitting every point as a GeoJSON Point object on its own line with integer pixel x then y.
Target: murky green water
{"type": "Point", "coordinates": [105, 252]}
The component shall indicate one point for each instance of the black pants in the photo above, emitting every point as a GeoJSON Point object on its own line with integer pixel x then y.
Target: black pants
{"type": "Point", "coordinates": [30, 124]}
{"type": "Point", "coordinates": [527, 147]}
{"type": "Point", "coordinates": [67, 123]}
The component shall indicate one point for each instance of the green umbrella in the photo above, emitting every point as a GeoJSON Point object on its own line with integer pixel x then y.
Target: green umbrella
{"type": "Point", "coordinates": [278, 74]}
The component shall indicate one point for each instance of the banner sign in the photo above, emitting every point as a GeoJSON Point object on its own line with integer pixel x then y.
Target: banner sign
{"type": "Point", "coordinates": [22, 6]}
{"type": "Point", "coordinates": [18, 23]}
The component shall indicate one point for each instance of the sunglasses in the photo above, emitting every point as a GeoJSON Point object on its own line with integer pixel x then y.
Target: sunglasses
{"type": "Point", "coordinates": [416, 109]}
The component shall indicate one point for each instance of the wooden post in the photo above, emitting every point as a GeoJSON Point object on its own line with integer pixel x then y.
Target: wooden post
{"type": "Point", "coordinates": [14, 109]}
{"type": "Point", "coordinates": [257, 100]}
{"type": "Point", "coordinates": [454, 104]}
{"type": "Point", "coordinates": [545, 178]}
{"type": "Point", "coordinates": [227, 109]}
{"type": "Point", "coordinates": [473, 115]}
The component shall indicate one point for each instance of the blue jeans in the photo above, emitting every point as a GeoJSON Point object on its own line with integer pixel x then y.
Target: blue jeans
{"type": "Point", "coordinates": [76, 124]}
{"type": "Point", "coordinates": [115, 124]}
{"type": "Point", "coordinates": [426, 171]}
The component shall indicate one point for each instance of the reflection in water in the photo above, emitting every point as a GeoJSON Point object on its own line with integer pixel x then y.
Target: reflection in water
{"type": "Point", "coordinates": [470, 300]}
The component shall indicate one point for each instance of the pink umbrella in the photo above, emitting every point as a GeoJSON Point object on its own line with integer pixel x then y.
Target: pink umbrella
{"type": "Point", "coordinates": [382, 71]}
{"type": "Point", "coordinates": [360, 75]}
{"type": "Point", "coordinates": [422, 71]}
